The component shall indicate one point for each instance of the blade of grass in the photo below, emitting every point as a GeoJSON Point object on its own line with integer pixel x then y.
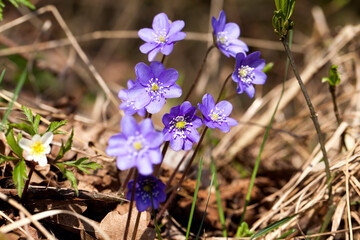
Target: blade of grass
{"type": "Point", "coordinates": [16, 94]}
{"type": "Point", "coordinates": [272, 226]}
{"type": "Point", "coordinates": [2, 75]}
{"type": "Point", "coordinates": [218, 199]}
{"type": "Point", "coordinates": [257, 163]}
{"type": "Point", "coordinates": [194, 200]}
{"type": "Point", "coordinates": [207, 202]}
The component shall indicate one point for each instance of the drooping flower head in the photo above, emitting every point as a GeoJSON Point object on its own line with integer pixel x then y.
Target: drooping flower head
{"type": "Point", "coordinates": [128, 105]}
{"type": "Point", "coordinates": [138, 145]}
{"type": "Point", "coordinates": [147, 186]}
{"type": "Point", "coordinates": [162, 36]}
{"type": "Point", "coordinates": [37, 148]}
{"type": "Point", "coordinates": [180, 126]}
{"type": "Point", "coordinates": [153, 85]}
{"type": "Point", "coordinates": [248, 71]}
{"type": "Point", "coordinates": [216, 116]}
{"type": "Point", "coordinates": [226, 36]}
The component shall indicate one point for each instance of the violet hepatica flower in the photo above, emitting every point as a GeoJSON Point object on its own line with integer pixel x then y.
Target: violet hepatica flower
{"type": "Point", "coordinates": [226, 36]}
{"type": "Point", "coordinates": [216, 116]}
{"type": "Point", "coordinates": [147, 187]}
{"type": "Point", "coordinates": [180, 127]}
{"type": "Point", "coordinates": [162, 36]}
{"type": "Point", "coordinates": [37, 148]}
{"type": "Point", "coordinates": [128, 105]}
{"type": "Point", "coordinates": [248, 71]}
{"type": "Point", "coordinates": [138, 145]}
{"type": "Point", "coordinates": [153, 85]}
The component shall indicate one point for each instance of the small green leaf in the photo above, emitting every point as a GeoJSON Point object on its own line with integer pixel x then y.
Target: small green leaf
{"type": "Point", "coordinates": [268, 67]}
{"type": "Point", "coordinates": [334, 77]}
{"type": "Point", "coordinates": [36, 123]}
{"type": "Point", "coordinates": [69, 176]}
{"type": "Point", "coordinates": [291, 231]}
{"type": "Point", "coordinates": [23, 126]}
{"type": "Point", "coordinates": [65, 148]}
{"type": "Point", "coordinates": [55, 125]}
{"type": "Point", "coordinates": [19, 174]}
{"type": "Point", "coordinates": [244, 230]}
{"type": "Point", "coordinates": [13, 143]}
{"type": "Point", "coordinates": [272, 226]}
{"type": "Point", "coordinates": [28, 113]}
{"type": "Point", "coordinates": [82, 165]}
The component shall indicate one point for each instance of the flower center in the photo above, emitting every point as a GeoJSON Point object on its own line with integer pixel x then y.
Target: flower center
{"type": "Point", "coordinates": [180, 125]}
{"type": "Point", "coordinates": [37, 148]}
{"type": "Point", "coordinates": [147, 188]}
{"type": "Point", "coordinates": [214, 116]}
{"type": "Point", "coordinates": [245, 73]}
{"type": "Point", "coordinates": [222, 39]}
{"type": "Point", "coordinates": [162, 38]}
{"type": "Point", "coordinates": [137, 145]}
{"type": "Point", "coordinates": [154, 87]}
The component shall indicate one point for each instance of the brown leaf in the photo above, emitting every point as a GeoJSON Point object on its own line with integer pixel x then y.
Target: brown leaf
{"type": "Point", "coordinates": [114, 224]}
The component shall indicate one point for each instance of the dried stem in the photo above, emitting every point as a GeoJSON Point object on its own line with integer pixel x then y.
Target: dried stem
{"type": "Point", "coordinates": [312, 115]}
{"type": "Point", "coordinates": [130, 207]}
{"type": "Point", "coordinates": [199, 73]}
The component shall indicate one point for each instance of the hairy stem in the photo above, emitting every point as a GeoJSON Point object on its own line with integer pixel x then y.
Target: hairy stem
{"type": "Point", "coordinates": [312, 115]}
{"type": "Point", "coordinates": [199, 73]}
{"type": "Point", "coordinates": [131, 206]}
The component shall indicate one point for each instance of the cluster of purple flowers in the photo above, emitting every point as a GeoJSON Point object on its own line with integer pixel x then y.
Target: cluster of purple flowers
{"type": "Point", "coordinates": [138, 145]}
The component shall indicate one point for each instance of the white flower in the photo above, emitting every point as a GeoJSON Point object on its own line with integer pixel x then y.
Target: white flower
{"type": "Point", "coordinates": [37, 148]}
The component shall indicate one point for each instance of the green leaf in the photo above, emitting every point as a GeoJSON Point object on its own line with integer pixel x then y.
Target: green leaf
{"type": "Point", "coordinates": [244, 230]}
{"type": "Point", "coordinates": [291, 231]}
{"type": "Point", "coordinates": [4, 158]}
{"type": "Point", "coordinates": [19, 174]}
{"type": "Point", "coordinates": [194, 200]}
{"type": "Point", "coordinates": [69, 176]}
{"type": "Point", "coordinates": [268, 67]}
{"type": "Point", "coordinates": [334, 77]}
{"type": "Point", "coordinates": [36, 123]}
{"type": "Point", "coordinates": [65, 148]}
{"type": "Point", "coordinates": [82, 165]}
{"type": "Point", "coordinates": [55, 125]}
{"type": "Point", "coordinates": [272, 226]}
{"type": "Point", "coordinates": [23, 126]}
{"type": "Point", "coordinates": [13, 143]}
{"type": "Point", "coordinates": [28, 113]}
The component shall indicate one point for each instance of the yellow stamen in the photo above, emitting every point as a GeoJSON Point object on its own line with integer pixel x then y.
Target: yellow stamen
{"type": "Point", "coordinates": [214, 116]}
{"type": "Point", "coordinates": [137, 146]}
{"type": "Point", "coordinates": [162, 38]}
{"type": "Point", "coordinates": [147, 188]}
{"type": "Point", "coordinates": [154, 87]}
{"type": "Point", "coordinates": [37, 148]}
{"type": "Point", "coordinates": [222, 39]}
{"type": "Point", "coordinates": [180, 125]}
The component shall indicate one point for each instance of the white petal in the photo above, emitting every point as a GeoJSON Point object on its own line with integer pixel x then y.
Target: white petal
{"type": "Point", "coordinates": [42, 160]}
{"type": "Point", "coordinates": [25, 144]}
{"type": "Point", "coordinates": [28, 156]}
{"type": "Point", "coordinates": [36, 138]}
{"type": "Point", "coordinates": [47, 138]}
{"type": "Point", "coordinates": [47, 149]}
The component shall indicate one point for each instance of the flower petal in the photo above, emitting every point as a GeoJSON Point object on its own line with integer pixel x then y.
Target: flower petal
{"type": "Point", "coordinates": [232, 29]}
{"type": "Point", "coordinates": [173, 92]}
{"type": "Point", "coordinates": [231, 122]}
{"type": "Point", "coordinates": [176, 143]}
{"type": "Point", "coordinates": [144, 73]}
{"type": "Point", "coordinates": [42, 160]}
{"type": "Point", "coordinates": [224, 127]}
{"type": "Point", "coordinates": [260, 77]}
{"type": "Point", "coordinates": [225, 106]}
{"type": "Point", "coordinates": [147, 34]}
{"type": "Point", "coordinates": [147, 47]}
{"type": "Point", "coordinates": [155, 156]}
{"type": "Point", "coordinates": [208, 101]}
{"type": "Point", "coordinates": [129, 126]}
{"type": "Point", "coordinates": [250, 90]}
{"type": "Point", "coordinates": [125, 162]}
{"type": "Point", "coordinates": [176, 27]}
{"type": "Point", "coordinates": [144, 165]}
{"type": "Point", "coordinates": [204, 111]}
{"type": "Point", "coordinates": [176, 37]}
{"type": "Point", "coordinates": [141, 205]}
{"type": "Point", "coordinates": [252, 57]}
{"type": "Point", "coordinates": [197, 122]}
{"type": "Point", "coordinates": [193, 134]}
{"type": "Point", "coordinates": [154, 139]}
{"type": "Point", "coordinates": [25, 144]}
{"type": "Point", "coordinates": [47, 138]}
{"type": "Point", "coordinates": [157, 68]}
{"type": "Point", "coordinates": [155, 106]}
{"type": "Point", "coordinates": [146, 126]}
{"type": "Point", "coordinates": [187, 145]}
{"type": "Point", "coordinates": [168, 77]}
{"type": "Point", "coordinates": [153, 53]}
{"type": "Point", "coordinates": [167, 48]}
{"type": "Point", "coordinates": [161, 23]}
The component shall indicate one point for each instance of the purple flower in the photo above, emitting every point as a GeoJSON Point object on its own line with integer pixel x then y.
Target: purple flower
{"type": "Point", "coordinates": [248, 71]}
{"type": "Point", "coordinates": [226, 36]}
{"type": "Point", "coordinates": [147, 186]}
{"type": "Point", "coordinates": [137, 146]}
{"type": "Point", "coordinates": [162, 36]}
{"type": "Point", "coordinates": [128, 105]}
{"type": "Point", "coordinates": [153, 85]}
{"type": "Point", "coordinates": [216, 116]}
{"type": "Point", "coordinates": [180, 127]}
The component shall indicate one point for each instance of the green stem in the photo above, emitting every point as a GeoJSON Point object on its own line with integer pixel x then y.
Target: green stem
{"type": "Point", "coordinates": [332, 90]}
{"type": "Point", "coordinates": [313, 117]}
{"type": "Point", "coordinates": [199, 73]}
